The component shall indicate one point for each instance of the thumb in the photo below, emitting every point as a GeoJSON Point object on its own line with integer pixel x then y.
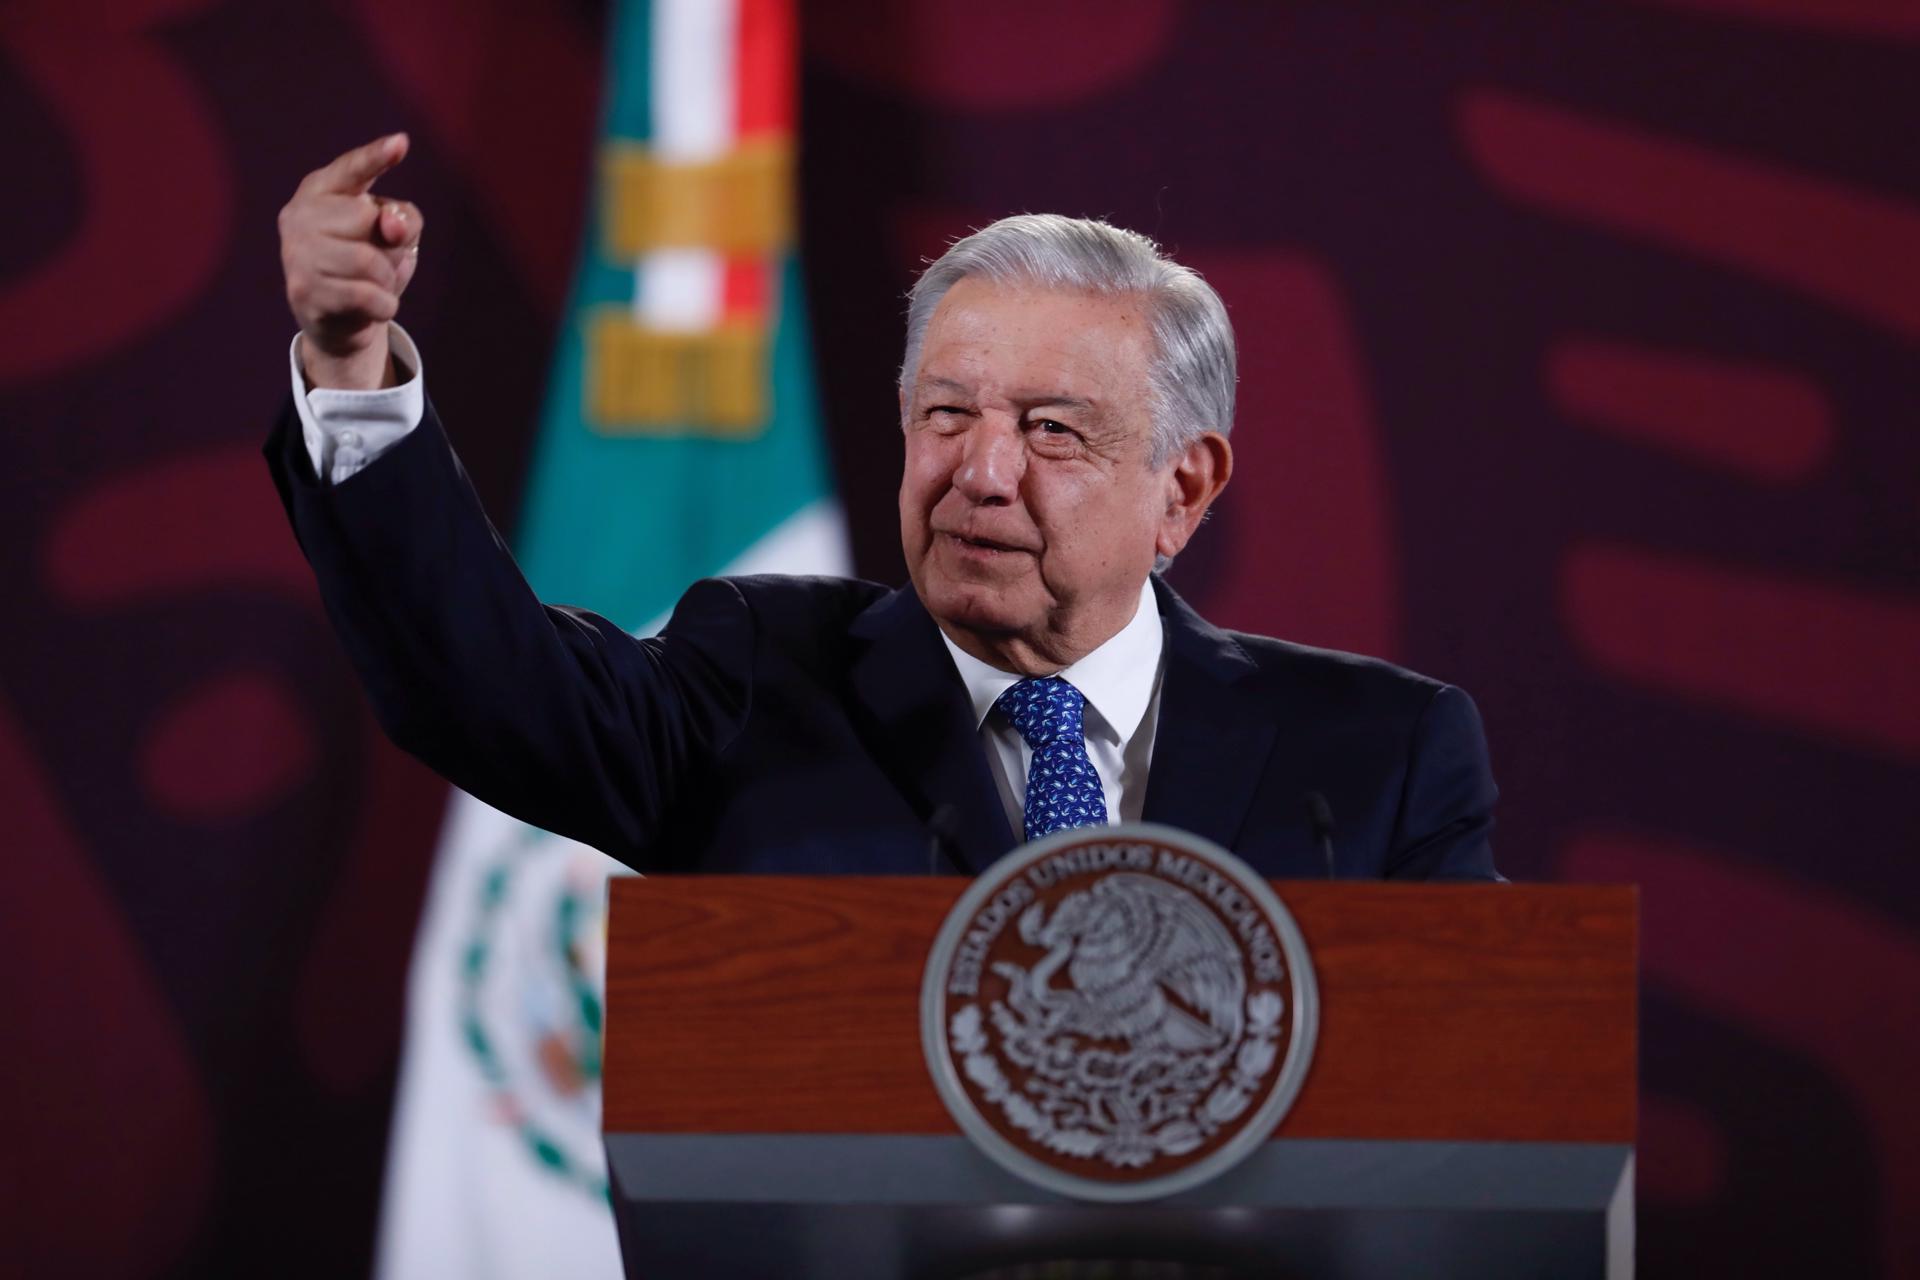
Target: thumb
{"type": "Point", "coordinates": [405, 263]}
{"type": "Point", "coordinates": [399, 223]}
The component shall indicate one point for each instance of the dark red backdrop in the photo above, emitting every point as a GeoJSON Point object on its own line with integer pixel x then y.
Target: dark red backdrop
{"type": "Point", "coordinates": [1579, 347]}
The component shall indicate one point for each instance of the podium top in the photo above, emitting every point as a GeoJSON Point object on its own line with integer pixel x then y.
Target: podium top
{"type": "Point", "coordinates": [772, 1004]}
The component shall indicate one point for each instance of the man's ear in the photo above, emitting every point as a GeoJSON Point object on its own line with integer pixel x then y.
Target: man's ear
{"type": "Point", "coordinates": [1195, 478]}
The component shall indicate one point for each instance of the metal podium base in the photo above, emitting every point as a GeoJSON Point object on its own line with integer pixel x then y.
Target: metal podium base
{"type": "Point", "coordinates": [933, 1208]}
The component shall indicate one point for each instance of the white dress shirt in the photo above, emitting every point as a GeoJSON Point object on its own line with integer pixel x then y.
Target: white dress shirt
{"type": "Point", "coordinates": [345, 430]}
{"type": "Point", "coordinates": [1120, 680]}
{"type": "Point", "coordinates": [1121, 683]}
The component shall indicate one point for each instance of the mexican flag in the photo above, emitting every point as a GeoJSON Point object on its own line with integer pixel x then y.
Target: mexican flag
{"type": "Point", "coordinates": [680, 439]}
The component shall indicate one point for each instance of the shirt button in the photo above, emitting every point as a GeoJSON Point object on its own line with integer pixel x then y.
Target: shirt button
{"type": "Point", "coordinates": [350, 438]}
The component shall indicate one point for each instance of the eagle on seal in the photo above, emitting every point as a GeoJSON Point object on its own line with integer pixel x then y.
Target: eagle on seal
{"type": "Point", "coordinates": [1148, 964]}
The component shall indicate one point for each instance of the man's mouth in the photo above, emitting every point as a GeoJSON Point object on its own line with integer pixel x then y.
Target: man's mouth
{"type": "Point", "coordinates": [983, 544]}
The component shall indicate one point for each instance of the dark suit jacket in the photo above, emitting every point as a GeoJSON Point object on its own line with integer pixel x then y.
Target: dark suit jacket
{"type": "Point", "coordinates": [784, 724]}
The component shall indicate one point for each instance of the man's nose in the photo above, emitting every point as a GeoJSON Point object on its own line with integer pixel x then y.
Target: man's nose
{"type": "Point", "coordinates": [989, 471]}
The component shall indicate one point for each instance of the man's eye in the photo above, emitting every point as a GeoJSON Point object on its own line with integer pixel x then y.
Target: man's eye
{"type": "Point", "coordinates": [1049, 426]}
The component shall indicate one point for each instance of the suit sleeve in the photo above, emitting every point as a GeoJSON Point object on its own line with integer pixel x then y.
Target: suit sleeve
{"type": "Point", "coordinates": [553, 715]}
{"type": "Point", "coordinates": [1445, 824]}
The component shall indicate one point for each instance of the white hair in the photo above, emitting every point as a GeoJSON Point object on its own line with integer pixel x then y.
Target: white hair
{"type": "Point", "coordinates": [1191, 371]}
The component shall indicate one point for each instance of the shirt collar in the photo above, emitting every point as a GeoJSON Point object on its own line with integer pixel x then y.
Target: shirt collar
{"type": "Point", "coordinates": [1116, 679]}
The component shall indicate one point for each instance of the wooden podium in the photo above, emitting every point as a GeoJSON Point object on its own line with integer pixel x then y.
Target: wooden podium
{"type": "Point", "coordinates": [1469, 1110]}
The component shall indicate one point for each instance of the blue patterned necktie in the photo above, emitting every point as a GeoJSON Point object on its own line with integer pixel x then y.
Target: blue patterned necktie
{"type": "Point", "coordinates": [1062, 788]}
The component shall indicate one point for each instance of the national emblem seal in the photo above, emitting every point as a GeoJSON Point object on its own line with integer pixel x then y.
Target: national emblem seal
{"type": "Point", "coordinates": [1119, 1013]}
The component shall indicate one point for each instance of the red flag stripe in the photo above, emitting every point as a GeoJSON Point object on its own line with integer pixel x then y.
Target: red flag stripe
{"type": "Point", "coordinates": [765, 55]}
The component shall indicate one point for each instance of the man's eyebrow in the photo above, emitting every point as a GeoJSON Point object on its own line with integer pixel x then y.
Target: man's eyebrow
{"type": "Point", "coordinates": [935, 381]}
{"type": "Point", "coordinates": [1053, 399]}
{"type": "Point", "coordinates": [1029, 400]}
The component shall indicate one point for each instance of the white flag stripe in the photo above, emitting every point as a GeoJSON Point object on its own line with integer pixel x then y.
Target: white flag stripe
{"type": "Point", "coordinates": [693, 78]}
{"type": "Point", "coordinates": [693, 95]}
{"type": "Point", "coordinates": [811, 540]}
{"type": "Point", "coordinates": [680, 290]}
{"type": "Point", "coordinates": [462, 1196]}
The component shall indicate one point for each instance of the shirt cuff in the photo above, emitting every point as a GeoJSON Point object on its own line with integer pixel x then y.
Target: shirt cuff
{"type": "Point", "coordinates": [346, 430]}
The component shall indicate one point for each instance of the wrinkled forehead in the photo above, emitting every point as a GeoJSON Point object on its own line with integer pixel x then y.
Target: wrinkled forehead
{"type": "Point", "coordinates": [1023, 341]}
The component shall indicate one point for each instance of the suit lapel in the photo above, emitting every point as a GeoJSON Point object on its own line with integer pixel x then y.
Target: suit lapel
{"type": "Point", "coordinates": [1212, 743]}
{"type": "Point", "coordinates": [919, 725]}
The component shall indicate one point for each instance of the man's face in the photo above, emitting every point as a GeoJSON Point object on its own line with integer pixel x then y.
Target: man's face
{"type": "Point", "coordinates": [1028, 513]}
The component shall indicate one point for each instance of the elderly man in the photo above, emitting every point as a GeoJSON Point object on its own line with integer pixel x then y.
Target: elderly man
{"type": "Point", "coordinates": [1065, 401]}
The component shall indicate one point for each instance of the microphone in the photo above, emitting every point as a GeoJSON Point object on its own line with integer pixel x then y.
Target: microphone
{"type": "Point", "coordinates": [1320, 813]}
{"type": "Point", "coordinates": [941, 831]}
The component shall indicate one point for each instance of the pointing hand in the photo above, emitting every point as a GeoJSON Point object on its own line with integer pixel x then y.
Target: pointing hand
{"type": "Point", "coordinates": [348, 256]}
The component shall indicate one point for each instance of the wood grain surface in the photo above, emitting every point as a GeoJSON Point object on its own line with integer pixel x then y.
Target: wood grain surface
{"type": "Point", "coordinates": [763, 1004]}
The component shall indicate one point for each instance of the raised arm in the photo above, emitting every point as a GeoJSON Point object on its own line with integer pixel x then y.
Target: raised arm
{"type": "Point", "coordinates": [553, 715]}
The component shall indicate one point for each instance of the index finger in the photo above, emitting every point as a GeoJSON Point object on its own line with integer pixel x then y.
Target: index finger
{"type": "Point", "coordinates": [356, 170]}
